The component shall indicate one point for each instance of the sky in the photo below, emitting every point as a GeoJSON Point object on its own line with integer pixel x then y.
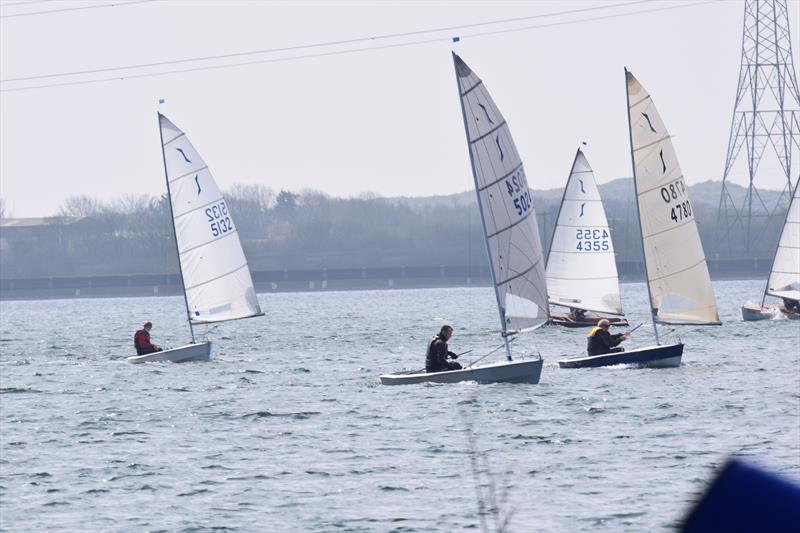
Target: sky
{"type": "Point", "coordinates": [384, 118]}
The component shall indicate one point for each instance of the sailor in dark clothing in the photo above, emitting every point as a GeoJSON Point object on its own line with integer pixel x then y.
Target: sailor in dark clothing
{"type": "Point", "coordinates": [791, 306]}
{"type": "Point", "coordinates": [436, 357]}
{"type": "Point", "coordinates": [600, 341]}
{"type": "Point", "coordinates": [141, 340]}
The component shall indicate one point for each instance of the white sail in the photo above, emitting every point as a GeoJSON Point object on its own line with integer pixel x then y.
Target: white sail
{"type": "Point", "coordinates": [581, 270]}
{"type": "Point", "coordinates": [509, 219]}
{"type": "Point", "coordinates": [216, 277]}
{"type": "Point", "coordinates": [677, 274]}
{"type": "Point", "coordinates": [784, 278]}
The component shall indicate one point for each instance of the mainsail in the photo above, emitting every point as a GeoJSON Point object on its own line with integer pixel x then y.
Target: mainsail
{"type": "Point", "coordinates": [677, 274]}
{"type": "Point", "coordinates": [581, 270]}
{"type": "Point", "coordinates": [216, 278]}
{"type": "Point", "coordinates": [784, 278]}
{"type": "Point", "coordinates": [509, 219]}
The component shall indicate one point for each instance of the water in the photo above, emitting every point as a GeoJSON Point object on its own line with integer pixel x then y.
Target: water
{"type": "Point", "coordinates": [287, 428]}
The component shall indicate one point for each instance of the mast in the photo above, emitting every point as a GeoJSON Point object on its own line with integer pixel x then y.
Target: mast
{"type": "Point", "coordinates": [503, 333]}
{"type": "Point", "coordinates": [638, 210]}
{"type": "Point", "coordinates": [174, 233]}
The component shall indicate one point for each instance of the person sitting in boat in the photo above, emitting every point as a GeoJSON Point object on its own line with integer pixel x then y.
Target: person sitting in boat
{"type": "Point", "coordinates": [436, 357]}
{"type": "Point", "coordinates": [577, 314]}
{"type": "Point", "coordinates": [600, 341]}
{"type": "Point", "coordinates": [141, 340]}
{"type": "Point", "coordinates": [791, 306]}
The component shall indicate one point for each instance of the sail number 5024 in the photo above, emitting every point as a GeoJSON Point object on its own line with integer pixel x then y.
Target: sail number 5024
{"type": "Point", "coordinates": [517, 189]}
{"type": "Point", "coordinates": [218, 219]}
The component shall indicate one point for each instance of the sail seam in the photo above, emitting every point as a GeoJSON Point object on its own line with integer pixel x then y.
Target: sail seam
{"type": "Point", "coordinates": [482, 137]}
{"type": "Point", "coordinates": [648, 145]}
{"type": "Point", "coordinates": [498, 232]}
{"type": "Point", "coordinates": [679, 271]}
{"type": "Point", "coordinates": [498, 180]}
{"type": "Point", "coordinates": [610, 252]}
{"type": "Point", "coordinates": [576, 279]}
{"type": "Point", "coordinates": [218, 277]}
{"type": "Point", "coordinates": [518, 275]}
{"type": "Point", "coordinates": [639, 102]}
{"type": "Point", "coordinates": [666, 230]}
{"type": "Point", "coordinates": [174, 139]}
{"type": "Point", "coordinates": [234, 232]}
{"type": "Point", "coordinates": [465, 93]}
{"type": "Point", "coordinates": [188, 174]}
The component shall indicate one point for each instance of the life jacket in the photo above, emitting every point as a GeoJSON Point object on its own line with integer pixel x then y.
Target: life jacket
{"type": "Point", "coordinates": [594, 331]}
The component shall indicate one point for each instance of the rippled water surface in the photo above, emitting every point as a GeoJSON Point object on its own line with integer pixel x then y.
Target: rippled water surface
{"type": "Point", "coordinates": [288, 428]}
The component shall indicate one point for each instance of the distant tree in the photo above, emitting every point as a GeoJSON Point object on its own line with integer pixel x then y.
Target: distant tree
{"type": "Point", "coordinates": [286, 200]}
{"type": "Point", "coordinates": [80, 206]}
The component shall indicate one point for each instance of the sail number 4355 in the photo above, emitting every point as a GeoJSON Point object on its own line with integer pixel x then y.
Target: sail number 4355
{"type": "Point", "coordinates": [592, 240]}
{"type": "Point", "coordinates": [218, 219]}
{"type": "Point", "coordinates": [517, 189]}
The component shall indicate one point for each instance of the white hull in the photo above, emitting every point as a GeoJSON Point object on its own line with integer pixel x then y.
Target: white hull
{"type": "Point", "coordinates": [527, 371]}
{"type": "Point", "coordinates": [200, 351]}
{"type": "Point", "coordinates": [751, 312]}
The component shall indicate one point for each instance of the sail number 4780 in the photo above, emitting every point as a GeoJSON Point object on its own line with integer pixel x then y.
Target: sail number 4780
{"type": "Point", "coordinates": [676, 192]}
{"type": "Point", "coordinates": [517, 189]}
{"type": "Point", "coordinates": [218, 219]}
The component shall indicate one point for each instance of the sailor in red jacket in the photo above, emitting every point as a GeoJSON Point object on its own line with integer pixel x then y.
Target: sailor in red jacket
{"type": "Point", "coordinates": [142, 340]}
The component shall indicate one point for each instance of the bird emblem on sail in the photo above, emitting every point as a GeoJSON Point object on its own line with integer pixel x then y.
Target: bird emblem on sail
{"type": "Point", "coordinates": [497, 141]}
{"type": "Point", "coordinates": [649, 123]}
{"type": "Point", "coordinates": [582, 189]}
{"type": "Point", "coordinates": [197, 181]}
{"type": "Point", "coordinates": [663, 165]}
{"type": "Point", "coordinates": [485, 112]}
{"type": "Point", "coordinates": [184, 155]}
{"type": "Point", "coordinates": [582, 206]}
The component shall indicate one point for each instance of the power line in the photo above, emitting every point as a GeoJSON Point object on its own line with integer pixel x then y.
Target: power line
{"type": "Point", "coordinates": [350, 51]}
{"type": "Point", "coordinates": [78, 8]}
{"type": "Point", "coordinates": [13, 4]}
{"type": "Point", "coordinates": [323, 44]}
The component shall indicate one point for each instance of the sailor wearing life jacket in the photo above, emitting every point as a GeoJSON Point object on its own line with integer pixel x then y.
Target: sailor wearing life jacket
{"type": "Point", "coordinates": [141, 340]}
{"type": "Point", "coordinates": [436, 356]}
{"type": "Point", "coordinates": [600, 341]}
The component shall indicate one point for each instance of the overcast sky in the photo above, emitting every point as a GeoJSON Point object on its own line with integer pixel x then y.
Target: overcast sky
{"type": "Point", "coordinates": [385, 120]}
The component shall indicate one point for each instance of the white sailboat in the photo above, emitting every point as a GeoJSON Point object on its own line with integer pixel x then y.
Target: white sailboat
{"type": "Point", "coordinates": [678, 282]}
{"type": "Point", "coordinates": [217, 285]}
{"type": "Point", "coordinates": [581, 268]}
{"type": "Point", "coordinates": [784, 276]}
{"type": "Point", "coordinates": [511, 234]}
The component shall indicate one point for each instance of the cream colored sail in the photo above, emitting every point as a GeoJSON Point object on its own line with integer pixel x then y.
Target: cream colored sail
{"type": "Point", "coordinates": [677, 274]}
{"type": "Point", "coordinates": [216, 277]}
{"type": "Point", "coordinates": [581, 270]}
{"type": "Point", "coordinates": [506, 204]}
{"type": "Point", "coordinates": [784, 278]}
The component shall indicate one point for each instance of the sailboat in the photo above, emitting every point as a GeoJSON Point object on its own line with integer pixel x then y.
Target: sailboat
{"type": "Point", "coordinates": [678, 283]}
{"type": "Point", "coordinates": [581, 269]}
{"type": "Point", "coordinates": [784, 276]}
{"type": "Point", "coordinates": [216, 280]}
{"type": "Point", "coordinates": [511, 235]}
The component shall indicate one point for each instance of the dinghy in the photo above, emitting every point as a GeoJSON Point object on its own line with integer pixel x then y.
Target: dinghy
{"type": "Point", "coordinates": [581, 269]}
{"type": "Point", "coordinates": [784, 276]}
{"type": "Point", "coordinates": [511, 234]}
{"type": "Point", "coordinates": [217, 286]}
{"type": "Point", "coordinates": [678, 283]}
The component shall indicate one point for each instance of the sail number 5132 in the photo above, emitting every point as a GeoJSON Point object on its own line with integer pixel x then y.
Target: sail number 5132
{"type": "Point", "coordinates": [218, 219]}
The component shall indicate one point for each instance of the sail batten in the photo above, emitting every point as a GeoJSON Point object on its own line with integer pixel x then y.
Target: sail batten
{"type": "Point", "coordinates": [784, 276]}
{"type": "Point", "coordinates": [677, 273]}
{"type": "Point", "coordinates": [217, 282]}
{"type": "Point", "coordinates": [511, 232]}
{"type": "Point", "coordinates": [581, 267]}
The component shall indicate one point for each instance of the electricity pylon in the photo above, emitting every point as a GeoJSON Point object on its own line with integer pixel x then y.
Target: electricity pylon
{"type": "Point", "coordinates": [766, 114]}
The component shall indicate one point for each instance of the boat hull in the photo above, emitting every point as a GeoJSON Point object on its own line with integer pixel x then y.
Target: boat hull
{"type": "Point", "coordinates": [753, 312]}
{"type": "Point", "coordinates": [567, 321]}
{"type": "Point", "coordinates": [652, 357]}
{"type": "Point", "coordinates": [527, 371]}
{"type": "Point", "coordinates": [200, 351]}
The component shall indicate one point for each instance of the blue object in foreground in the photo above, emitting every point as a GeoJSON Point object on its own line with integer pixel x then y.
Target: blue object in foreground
{"type": "Point", "coordinates": [744, 498]}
